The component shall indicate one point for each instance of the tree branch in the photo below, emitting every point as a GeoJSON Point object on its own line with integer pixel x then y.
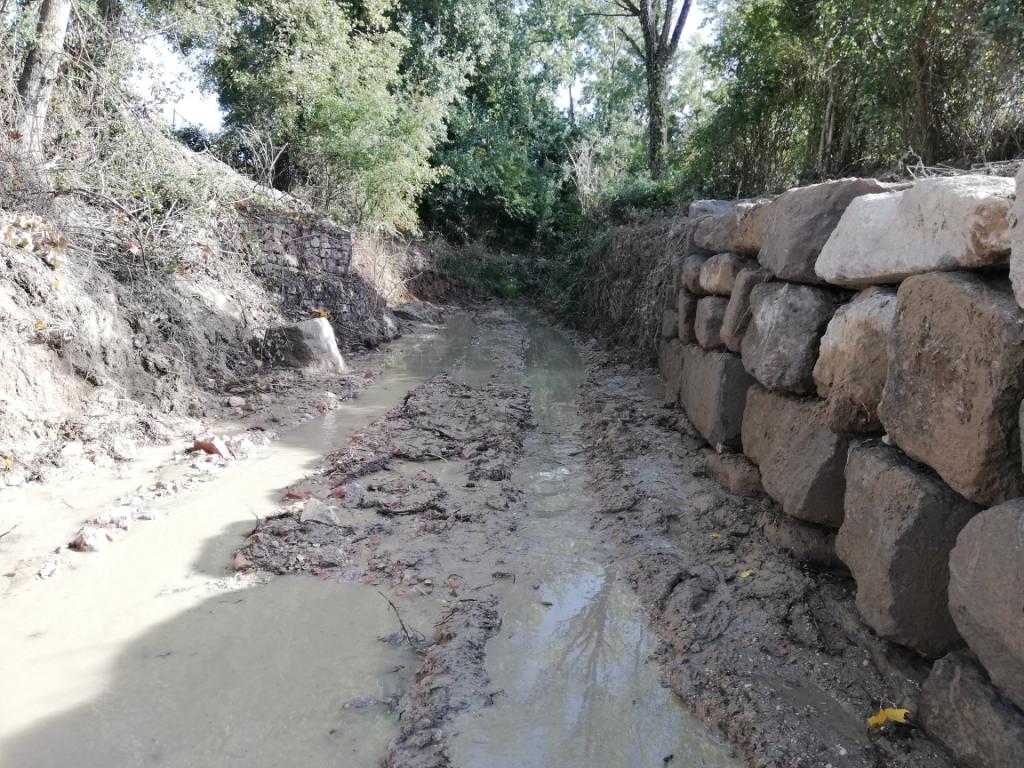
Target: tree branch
{"type": "Point", "coordinates": [684, 12]}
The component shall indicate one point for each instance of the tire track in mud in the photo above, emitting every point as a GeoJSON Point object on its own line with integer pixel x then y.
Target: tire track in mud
{"type": "Point", "coordinates": [769, 652]}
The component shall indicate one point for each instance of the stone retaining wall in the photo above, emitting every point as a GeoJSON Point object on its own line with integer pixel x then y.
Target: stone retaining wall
{"type": "Point", "coordinates": [308, 262]}
{"type": "Point", "coordinates": [861, 346]}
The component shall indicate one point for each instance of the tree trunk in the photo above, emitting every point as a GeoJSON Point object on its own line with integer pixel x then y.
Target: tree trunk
{"type": "Point", "coordinates": [35, 86]}
{"type": "Point", "coordinates": [657, 134]}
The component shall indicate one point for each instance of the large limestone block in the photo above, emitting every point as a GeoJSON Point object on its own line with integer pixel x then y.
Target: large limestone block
{"type": "Point", "coordinates": [901, 523]}
{"type": "Point", "coordinates": [780, 346]}
{"type": "Point", "coordinates": [714, 395]}
{"type": "Point", "coordinates": [962, 711]}
{"type": "Point", "coordinates": [670, 363]}
{"type": "Point", "coordinates": [1017, 240]}
{"type": "Point", "coordinates": [955, 381]}
{"type": "Point", "coordinates": [986, 593]}
{"type": "Point", "coordinates": [801, 460]}
{"type": "Point", "coordinates": [718, 275]}
{"type": "Point", "coordinates": [669, 324]}
{"type": "Point", "coordinates": [686, 315]}
{"type": "Point", "coordinates": [708, 322]}
{"type": "Point", "coordinates": [737, 314]}
{"type": "Point", "coordinates": [800, 221]}
{"type": "Point", "coordinates": [309, 344]}
{"type": "Point", "coordinates": [853, 361]}
{"type": "Point", "coordinates": [690, 272]}
{"type": "Point", "coordinates": [938, 224]}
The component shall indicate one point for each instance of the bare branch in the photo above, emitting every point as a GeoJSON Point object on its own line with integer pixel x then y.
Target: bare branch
{"type": "Point", "coordinates": [677, 33]}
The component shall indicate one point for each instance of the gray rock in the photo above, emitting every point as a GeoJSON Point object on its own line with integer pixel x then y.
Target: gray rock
{"type": "Point", "coordinates": [986, 587]}
{"type": "Point", "coordinates": [699, 211]}
{"type": "Point", "coordinates": [801, 460]}
{"type": "Point", "coordinates": [962, 711]}
{"type": "Point", "coordinates": [853, 361]}
{"type": "Point", "coordinates": [713, 393]}
{"type": "Point", "coordinates": [669, 324]}
{"type": "Point", "coordinates": [309, 344]}
{"type": "Point", "coordinates": [708, 321]}
{"type": "Point", "coordinates": [737, 314]}
{"type": "Point", "coordinates": [955, 382]}
{"type": "Point", "coordinates": [800, 221]}
{"type": "Point", "coordinates": [316, 511]}
{"type": "Point", "coordinates": [692, 265]}
{"type": "Point", "coordinates": [780, 346]}
{"type": "Point", "coordinates": [901, 523]}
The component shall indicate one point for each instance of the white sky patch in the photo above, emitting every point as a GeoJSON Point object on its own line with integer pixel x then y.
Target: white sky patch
{"type": "Point", "coordinates": [168, 83]}
{"type": "Point", "coordinates": [694, 36]}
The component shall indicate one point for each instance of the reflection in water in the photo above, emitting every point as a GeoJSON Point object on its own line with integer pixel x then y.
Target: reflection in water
{"type": "Point", "coordinates": [571, 657]}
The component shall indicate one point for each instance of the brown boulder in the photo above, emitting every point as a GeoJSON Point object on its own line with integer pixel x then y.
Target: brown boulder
{"type": "Point", "coordinates": [737, 314]}
{"type": "Point", "coordinates": [690, 272]}
{"type": "Point", "coordinates": [955, 382]}
{"type": "Point", "coordinates": [962, 711]}
{"type": "Point", "coordinates": [714, 394]}
{"type": "Point", "coordinates": [670, 363]}
{"type": "Point", "coordinates": [686, 315]}
{"type": "Point", "coordinates": [807, 543]}
{"type": "Point", "coordinates": [708, 321]}
{"type": "Point", "coordinates": [735, 472]}
{"type": "Point", "coordinates": [986, 593]}
{"type": "Point", "coordinates": [800, 221]}
{"type": "Point", "coordinates": [718, 275]}
{"type": "Point", "coordinates": [901, 523]}
{"type": "Point", "coordinates": [801, 460]}
{"type": "Point", "coordinates": [853, 361]}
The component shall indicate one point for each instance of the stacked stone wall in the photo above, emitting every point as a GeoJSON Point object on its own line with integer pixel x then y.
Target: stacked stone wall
{"type": "Point", "coordinates": [308, 262]}
{"type": "Point", "coordinates": [860, 347]}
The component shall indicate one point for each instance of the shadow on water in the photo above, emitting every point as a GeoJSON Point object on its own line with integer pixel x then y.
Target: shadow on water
{"type": "Point", "coordinates": [253, 678]}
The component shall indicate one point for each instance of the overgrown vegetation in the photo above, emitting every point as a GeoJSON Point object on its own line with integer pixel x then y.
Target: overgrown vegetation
{"type": "Point", "coordinates": [521, 130]}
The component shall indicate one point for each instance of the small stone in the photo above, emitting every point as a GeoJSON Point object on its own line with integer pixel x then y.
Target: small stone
{"type": "Point", "coordinates": [317, 511]}
{"type": "Point", "coordinates": [89, 540]}
{"type": "Point", "coordinates": [241, 563]}
{"type": "Point", "coordinates": [735, 472]}
{"type": "Point", "coordinates": [236, 402]}
{"type": "Point", "coordinates": [214, 446]}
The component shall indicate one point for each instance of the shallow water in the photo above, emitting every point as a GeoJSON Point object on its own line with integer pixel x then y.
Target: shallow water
{"type": "Point", "coordinates": [571, 658]}
{"type": "Point", "coordinates": [83, 682]}
{"type": "Point", "coordinates": [144, 656]}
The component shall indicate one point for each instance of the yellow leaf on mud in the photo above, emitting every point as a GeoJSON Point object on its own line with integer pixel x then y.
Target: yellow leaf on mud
{"type": "Point", "coordinates": [746, 574]}
{"type": "Point", "coordinates": [8, 464]}
{"type": "Point", "coordinates": [321, 312]}
{"type": "Point", "coordinates": [888, 715]}
{"type": "Point", "coordinates": [716, 535]}
{"type": "Point", "coordinates": [56, 284]}
{"type": "Point", "coordinates": [40, 324]}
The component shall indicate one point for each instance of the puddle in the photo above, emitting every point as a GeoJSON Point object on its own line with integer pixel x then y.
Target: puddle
{"type": "Point", "coordinates": [68, 644]}
{"type": "Point", "coordinates": [571, 658]}
{"type": "Point", "coordinates": [259, 677]}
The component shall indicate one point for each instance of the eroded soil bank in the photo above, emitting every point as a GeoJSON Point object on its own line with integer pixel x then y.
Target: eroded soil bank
{"type": "Point", "coordinates": [492, 557]}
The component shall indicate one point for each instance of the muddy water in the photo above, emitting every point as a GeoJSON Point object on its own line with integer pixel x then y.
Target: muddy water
{"type": "Point", "coordinates": [141, 656]}
{"type": "Point", "coordinates": [151, 654]}
{"type": "Point", "coordinates": [571, 658]}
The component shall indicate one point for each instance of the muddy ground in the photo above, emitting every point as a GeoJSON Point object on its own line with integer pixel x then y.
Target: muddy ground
{"type": "Point", "coordinates": [425, 502]}
{"type": "Point", "coordinates": [537, 531]}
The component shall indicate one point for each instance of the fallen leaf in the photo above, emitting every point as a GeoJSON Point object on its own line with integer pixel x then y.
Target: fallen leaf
{"type": "Point", "coordinates": [888, 715]}
{"type": "Point", "coordinates": [716, 535]}
{"type": "Point", "coordinates": [8, 464]}
{"type": "Point", "coordinates": [40, 324]}
{"type": "Point", "coordinates": [746, 574]}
